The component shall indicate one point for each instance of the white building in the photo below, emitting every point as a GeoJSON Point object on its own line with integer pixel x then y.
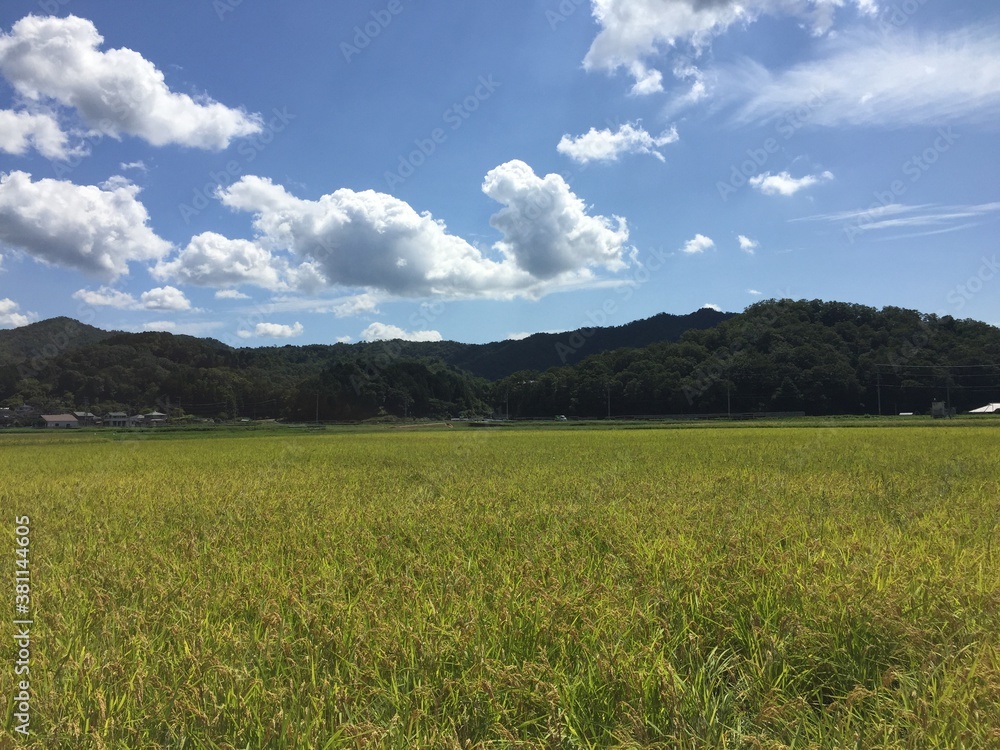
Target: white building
{"type": "Point", "coordinates": [988, 409]}
{"type": "Point", "coordinates": [60, 421]}
{"type": "Point", "coordinates": [117, 419]}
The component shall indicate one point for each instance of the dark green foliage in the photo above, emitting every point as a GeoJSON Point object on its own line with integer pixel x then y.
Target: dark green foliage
{"type": "Point", "coordinates": [206, 378]}
{"type": "Point", "coordinates": [779, 355]}
{"type": "Point", "coordinates": [29, 345]}
{"type": "Point", "coordinates": [544, 350]}
{"type": "Point", "coordinates": [378, 381]}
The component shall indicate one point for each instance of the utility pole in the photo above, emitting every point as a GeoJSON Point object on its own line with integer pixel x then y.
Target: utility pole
{"type": "Point", "coordinates": [608, 387]}
{"type": "Point", "coordinates": [729, 402]}
{"type": "Point", "coordinates": [317, 408]}
{"type": "Point", "coordinates": [879, 392]}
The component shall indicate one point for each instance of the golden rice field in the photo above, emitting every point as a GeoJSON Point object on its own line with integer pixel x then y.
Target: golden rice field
{"type": "Point", "coordinates": [800, 587]}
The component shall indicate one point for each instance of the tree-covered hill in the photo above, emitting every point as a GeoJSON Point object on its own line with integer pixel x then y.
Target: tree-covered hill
{"type": "Point", "coordinates": [779, 355]}
{"type": "Point", "coordinates": [544, 350]}
{"type": "Point", "coordinates": [46, 339]}
{"type": "Point", "coordinates": [811, 356]}
{"type": "Point", "coordinates": [61, 363]}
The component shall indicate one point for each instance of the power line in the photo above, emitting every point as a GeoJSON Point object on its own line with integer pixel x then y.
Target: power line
{"type": "Point", "coordinates": [934, 367]}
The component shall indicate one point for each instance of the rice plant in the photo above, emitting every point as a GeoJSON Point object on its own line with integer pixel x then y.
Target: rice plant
{"type": "Point", "coordinates": [551, 588]}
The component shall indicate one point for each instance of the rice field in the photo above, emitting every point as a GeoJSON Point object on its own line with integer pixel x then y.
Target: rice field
{"type": "Point", "coordinates": [554, 588]}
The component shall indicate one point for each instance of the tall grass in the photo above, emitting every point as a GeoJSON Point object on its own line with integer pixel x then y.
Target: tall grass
{"type": "Point", "coordinates": [739, 588]}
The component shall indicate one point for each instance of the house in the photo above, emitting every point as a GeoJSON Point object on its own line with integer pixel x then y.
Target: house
{"type": "Point", "coordinates": [154, 419]}
{"type": "Point", "coordinates": [59, 421]}
{"type": "Point", "coordinates": [85, 417]}
{"type": "Point", "coordinates": [117, 419]}
{"type": "Point", "coordinates": [988, 409]}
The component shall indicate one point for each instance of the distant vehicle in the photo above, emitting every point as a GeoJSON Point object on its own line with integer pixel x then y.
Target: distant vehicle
{"type": "Point", "coordinates": [560, 417]}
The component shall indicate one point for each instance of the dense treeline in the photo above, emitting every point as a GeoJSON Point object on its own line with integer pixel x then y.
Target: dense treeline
{"type": "Point", "coordinates": [811, 356]}
{"type": "Point", "coordinates": [541, 351]}
{"type": "Point", "coordinates": [386, 383]}
{"type": "Point", "coordinates": [60, 364]}
{"type": "Point", "coordinates": [205, 378]}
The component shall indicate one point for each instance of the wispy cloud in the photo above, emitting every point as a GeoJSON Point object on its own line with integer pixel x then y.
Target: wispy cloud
{"type": "Point", "coordinates": [634, 31]}
{"type": "Point", "coordinates": [926, 219]}
{"type": "Point", "coordinates": [747, 245]}
{"type": "Point", "coordinates": [872, 80]}
{"type": "Point", "coordinates": [231, 294]}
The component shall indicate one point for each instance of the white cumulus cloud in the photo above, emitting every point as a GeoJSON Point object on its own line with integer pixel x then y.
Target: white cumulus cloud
{"type": "Point", "coordinates": [381, 244]}
{"type": "Point", "coordinates": [784, 184]}
{"type": "Point", "coordinates": [9, 315]}
{"type": "Point", "coordinates": [166, 326]}
{"type": "Point", "coordinates": [21, 131]}
{"type": "Point", "coordinates": [387, 332]}
{"type": "Point", "coordinates": [161, 298]}
{"type": "Point", "coordinates": [698, 244]}
{"type": "Point", "coordinates": [272, 331]}
{"type": "Point", "coordinates": [98, 230]}
{"type": "Point", "coordinates": [647, 80]}
{"type": "Point", "coordinates": [105, 297]}
{"type": "Point", "coordinates": [115, 92]}
{"type": "Point", "coordinates": [165, 298]}
{"type": "Point", "coordinates": [547, 230]}
{"type": "Point", "coordinates": [361, 303]}
{"type": "Point", "coordinates": [216, 261]}
{"type": "Point", "coordinates": [368, 239]}
{"type": "Point", "coordinates": [605, 145]}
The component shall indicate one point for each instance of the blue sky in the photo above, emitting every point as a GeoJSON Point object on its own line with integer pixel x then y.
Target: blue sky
{"type": "Point", "coordinates": [322, 172]}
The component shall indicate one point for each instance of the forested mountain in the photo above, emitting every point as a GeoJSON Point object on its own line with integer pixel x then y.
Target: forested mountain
{"type": "Point", "coordinates": [779, 355]}
{"type": "Point", "coordinates": [544, 350]}
{"type": "Point", "coordinates": [60, 364]}
{"type": "Point", "coordinates": [46, 339]}
{"type": "Point", "coordinates": [811, 356]}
